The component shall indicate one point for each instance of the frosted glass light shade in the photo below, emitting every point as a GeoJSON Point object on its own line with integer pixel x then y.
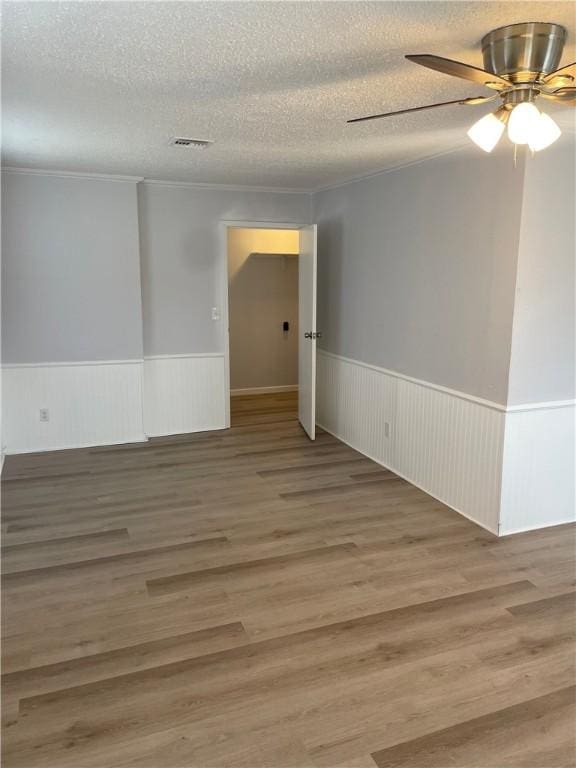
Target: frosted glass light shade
{"type": "Point", "coordinates": [523, 122]}
{"type": "Point", "coordinates": [486, 132]}
{"type": "Point", "coordinates": [545, 132]}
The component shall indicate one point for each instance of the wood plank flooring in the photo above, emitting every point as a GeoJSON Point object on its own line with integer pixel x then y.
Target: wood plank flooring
{"type": "Point", "coordinates": [248, 598]}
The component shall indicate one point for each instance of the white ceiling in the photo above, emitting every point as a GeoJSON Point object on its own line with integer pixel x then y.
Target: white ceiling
{"type": "Point", "coordinates": [103, 86]}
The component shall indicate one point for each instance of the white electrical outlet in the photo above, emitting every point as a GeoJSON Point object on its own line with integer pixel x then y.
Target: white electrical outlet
{"type": "Point", "coordinates": [215, 313]}
{"type": "Point", "coordinates": [44, 414]}
{"type": "Point", "coordinates": [386, 429]}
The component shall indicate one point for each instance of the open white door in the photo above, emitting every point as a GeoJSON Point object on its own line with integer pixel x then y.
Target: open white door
{"type": "Point", "coordinates": [307, 331]}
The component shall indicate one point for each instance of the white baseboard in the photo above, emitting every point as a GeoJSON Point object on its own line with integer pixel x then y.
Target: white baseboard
{"type": "Point", "coordinates": [184, 393]}
{"type": "Point", "coordinates": [264, 390]}
{"type": "Point", "coordinates": [142, 439]}
{"type": "Point", "coordinates": [92, 403]}
{"type": "Point", "coordinates": [535, 527]}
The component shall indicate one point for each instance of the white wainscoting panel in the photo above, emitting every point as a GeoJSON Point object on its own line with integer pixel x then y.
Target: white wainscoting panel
{"type": "Point", "coordinates": [89, 403]}
{"type": "Point", "coordinates": [538, 483]}
{"type": "Point", "coordinates": [452, 448]}
{"type": "Point", "coordinates": [354, 402]}
{"type": "Point", "coordinates": [444, 443]}
{"type": "Point", "coordinates": [184, 393]}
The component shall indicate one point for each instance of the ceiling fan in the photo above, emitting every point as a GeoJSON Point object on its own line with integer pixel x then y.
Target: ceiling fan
{"type": "Point", "coordinates": [521, 64]}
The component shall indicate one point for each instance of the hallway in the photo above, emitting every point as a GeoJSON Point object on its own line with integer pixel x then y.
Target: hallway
{"type": "Point", "coordinates": [264, 409]}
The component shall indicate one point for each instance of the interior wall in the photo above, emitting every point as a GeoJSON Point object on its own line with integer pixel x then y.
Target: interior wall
{"type": "Point", "coordinates": [71, 312]}
{"type": "Point", "coordinates": [543, 357]}
{"type": "Point", "coordinates": [445, 301]}
{"type": "Point", "coordinates": [71, 269]}
{"type": "Point", "coordinates": [538, 487]}
{"type": "Point", "coordinates": [263, 293]}
{"type": "Point", "coordinates": [417, 268]}
{"type": "Point", "coordinates": [182, 279]}
{"type": "Point", "coordinates": [446, 298]}
{"type": "Point", "coordinates": [97, 273]}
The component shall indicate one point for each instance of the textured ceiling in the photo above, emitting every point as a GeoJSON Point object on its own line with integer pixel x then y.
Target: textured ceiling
{"type": "Point", "coordinates": [103, 86]}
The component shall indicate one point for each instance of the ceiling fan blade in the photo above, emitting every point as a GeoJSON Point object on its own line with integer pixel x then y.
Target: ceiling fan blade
{"type": "Point", "coordinates": [471, 101]}
{"type": "Point", "coordinates": [562, 95]}
{"type": "Point", "coordinates": [458, 69]}
{"type": "Point", "coordinates": [565, 75]}
{"type": "Point", "coordinates": [565, 93]}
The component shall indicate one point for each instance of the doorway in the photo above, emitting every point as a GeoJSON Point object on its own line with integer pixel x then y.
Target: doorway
{"type": "Point", "coordinates": [270, 282]}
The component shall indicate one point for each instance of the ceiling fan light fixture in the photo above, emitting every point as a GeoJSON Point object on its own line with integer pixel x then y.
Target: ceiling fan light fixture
{"type": "Point", "coordinates": [521, 63]}
{"type": "Point", "coordinates": [487, 131]}
{"type": "Point", "coordinates": [523, 122]}
{"type": "Point", "coordinates": [545, 133]}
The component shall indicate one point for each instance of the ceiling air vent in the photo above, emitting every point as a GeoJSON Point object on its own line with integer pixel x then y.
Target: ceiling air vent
{"type": "Point", "coordinates": [198, 143]}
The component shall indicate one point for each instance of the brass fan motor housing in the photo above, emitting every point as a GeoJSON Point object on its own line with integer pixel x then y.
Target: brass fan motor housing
{"type": "Point", "coordinates": [524, 53]}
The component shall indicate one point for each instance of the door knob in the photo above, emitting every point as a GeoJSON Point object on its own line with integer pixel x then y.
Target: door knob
{"type": "Point", "coordinates": [308, 335]}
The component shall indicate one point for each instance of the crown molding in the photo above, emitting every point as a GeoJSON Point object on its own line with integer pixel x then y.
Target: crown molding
{"type": "Point", "coordinates": [71, 174]}
{"type": "Point", "coordinates": [229, 187]}
{"type": "Point", "coordinates": [159, 182]}
{"type": "Point", "coordinates": [390, 169]}
{"type": "Point", "coordinates": [566, 130]}
{"type": "Point", "coordinates": [219, 187]}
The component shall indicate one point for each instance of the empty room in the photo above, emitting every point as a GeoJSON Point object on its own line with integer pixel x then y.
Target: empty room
{"type": "Point", "coordinates": [288, 372]}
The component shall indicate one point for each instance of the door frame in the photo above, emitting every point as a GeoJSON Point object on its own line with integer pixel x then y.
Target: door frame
{"type": "Point", "coordinates": [223, 296]}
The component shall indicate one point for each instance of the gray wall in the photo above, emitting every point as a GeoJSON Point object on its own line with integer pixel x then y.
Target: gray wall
{"type": "Point", "coordinates": [71, 270]}
{"type": "Point", "coordinates": [73, 252]}
{"type": "Point", "coordinates": [417, 270]}
{"type": "Point", "coordinates": [263, 292]}
{"type": "Point", "coordinates": [543, 340]}
{"type": "Point", "coordinates": [181, 281]}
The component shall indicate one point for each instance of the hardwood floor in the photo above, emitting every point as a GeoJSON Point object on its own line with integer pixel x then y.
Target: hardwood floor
{"type": "Point", "coordinates": [248, 598]}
